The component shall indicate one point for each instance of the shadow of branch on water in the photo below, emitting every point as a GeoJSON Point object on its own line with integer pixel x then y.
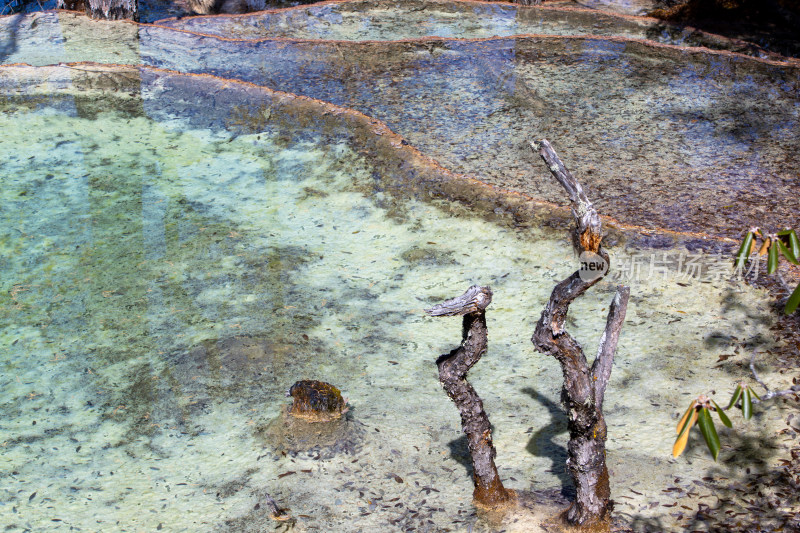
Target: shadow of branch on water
{"type": "Point", "coordinates": [543, 443]}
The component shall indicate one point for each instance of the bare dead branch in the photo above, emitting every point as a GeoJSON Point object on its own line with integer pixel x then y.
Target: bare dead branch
{"type": "Point", "coordinates": [795, 389]}
{"type": "Point", "coordinates": [475, 298]}
{"type": "Point", "coordinates": [588, 221]}
{"type": "Point", "coordinates": [453, 367]}
{"type": "Point", "coordinates": [555, 313]}
{"type": "Point", "coordinates": [584, 389]}
{"type": "Point", "coordinates": [601, 368]}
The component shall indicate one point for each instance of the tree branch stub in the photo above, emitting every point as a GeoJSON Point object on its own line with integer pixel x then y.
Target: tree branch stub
{"type": "Point", "coordinates": [453, 367]}
{"type": "Point", "coordinates": [601, 368]}
{"type": "Point", "coordinates": [475, 298]}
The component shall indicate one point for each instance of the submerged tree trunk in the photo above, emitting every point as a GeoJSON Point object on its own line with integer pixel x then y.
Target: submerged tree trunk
{"type": "Point", "coordinates": [453, 367]}
{"type": "Point", "coordinates": [103, 9]}
{"type": "Point", "coordinates": [584, 387]}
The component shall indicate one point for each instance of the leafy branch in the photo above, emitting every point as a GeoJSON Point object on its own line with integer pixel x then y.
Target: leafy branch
{"type": "Point", "coordinates": [783, 243]}
{"type": "Point", "coordinates": [755, 243]}
{"type": "Point", "coordinates": [699, 412]}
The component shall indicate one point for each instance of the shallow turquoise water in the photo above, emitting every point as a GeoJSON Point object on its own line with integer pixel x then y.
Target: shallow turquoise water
{"type": "Point", "coordinates": [708, 138]}
{"type": "Point", "coordinates": [177, 251]}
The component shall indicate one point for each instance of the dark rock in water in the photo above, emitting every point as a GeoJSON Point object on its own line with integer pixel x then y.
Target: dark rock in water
{"type": "Point", "coordinates": [316, 401]}
{"type": "Point", "coordinates": [315, 422]}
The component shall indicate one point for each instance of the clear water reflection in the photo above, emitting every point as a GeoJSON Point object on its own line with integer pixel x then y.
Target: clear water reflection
{"type": "Point", "coordinates": [407, 19]}
{"type": "Point", "coordinates": [688, 142]}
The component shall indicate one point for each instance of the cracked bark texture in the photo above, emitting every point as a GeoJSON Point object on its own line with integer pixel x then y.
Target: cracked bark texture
{"type": "Point", "coordinates": [584, 386]}
{"type": "Point", "coordinates": [453, 367]}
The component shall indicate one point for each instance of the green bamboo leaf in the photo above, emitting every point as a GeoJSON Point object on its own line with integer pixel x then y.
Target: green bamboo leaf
{"type": "Point", "coordinates": [736, 393]}
{"type": "Point", "coordinates": [794, 243]}
{"type": "Point", "coordinates": [747, 404]}
{"type": "Point", "coordinates": [772, 258]}
{"type": "Point", "coordinates": [793, 301]}
{"type": "Point", "coordinates": [744, 250]}
{"type": "Point", "coordinates": [787, 253]}
{"type": "Point", "coordinates": [709, 431]}
{"type": "Point", "coordinates": [722, 416]}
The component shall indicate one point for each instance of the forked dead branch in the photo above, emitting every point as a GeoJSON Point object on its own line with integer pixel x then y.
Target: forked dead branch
{"type": "Point", "coordinates": [584, 386]}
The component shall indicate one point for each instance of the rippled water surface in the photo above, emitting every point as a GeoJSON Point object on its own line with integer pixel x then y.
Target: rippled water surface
{"type": "Point", "coordinates": [665, 138]}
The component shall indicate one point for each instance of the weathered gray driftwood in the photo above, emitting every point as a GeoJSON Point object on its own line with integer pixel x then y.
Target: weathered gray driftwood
{"type": "Point", "coordinates": [584, 387]}
{"type": "Point", "coordinates": [453, 367]}
{"type": "Point", "coordinates": [103, 9]}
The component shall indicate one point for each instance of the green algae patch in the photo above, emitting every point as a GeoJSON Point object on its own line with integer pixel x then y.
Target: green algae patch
{"type": "Point", "coordinates": [175, 259]}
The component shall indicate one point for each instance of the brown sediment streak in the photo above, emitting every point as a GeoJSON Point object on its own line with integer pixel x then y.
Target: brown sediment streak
{"type": "Point", "coordinates": [505, 198]}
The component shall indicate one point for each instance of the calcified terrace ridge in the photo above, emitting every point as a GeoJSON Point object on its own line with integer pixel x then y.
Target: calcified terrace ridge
{"type": "Point", "coordinates": [409, 168]}
{"type": "Point", "coordinates": [450, 20]}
